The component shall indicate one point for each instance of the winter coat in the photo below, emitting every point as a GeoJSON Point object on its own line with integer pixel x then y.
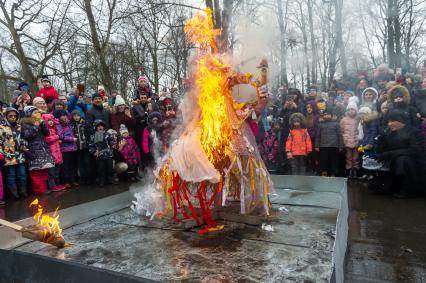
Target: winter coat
{"type": "Point", "coordinates": [130, 151]}
{"type": "Point", "coordinates": [53, 139]}
{"type": "Point", "coordinates": [96, 113]}
{"type": "Point", "coordinates": [73, 104]}
{"type": "Point", "coordinates": [48, 93]}
{"type": "Point", "coordinates": [103, 143]}
{"type": "Point", "coordinates": [39, 156]}
{"type": "Point", "coordinates": [370, 130]}
{"type": "Point", "coordinates": [407, 141]}
{"type": "Point", "coordinates": [410, 112]}
{"type": "Point", "coordinates": [328, 135]}
{"type": "Point", "coordinates": [419, 102]}
{"type": "Point", "coordinates": [349, 130]}
{"type": "Point", "coordinates": [66, 135]}
{"type": "Point", "coordinates": [269, 147]}
{"type": "Point", "coordinates": [298, 142]}
{"type": "Point", "coordinates": [78, 131]}
{"type": "Point", "coordinates": [11, 144]}
{"type": "Point", "coordinates": [119, 118]}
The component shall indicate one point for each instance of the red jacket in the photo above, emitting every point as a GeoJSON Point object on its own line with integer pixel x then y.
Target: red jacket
{"type": "Point", "coordinates": [298, 142]}
{"type": "Point", "coordinates": [48, 93]}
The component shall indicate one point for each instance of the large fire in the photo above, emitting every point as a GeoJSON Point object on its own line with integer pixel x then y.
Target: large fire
{"type": "Point", "coordinates": [210, 80]}
{"type": "Point", "coordinates": [49, 224]}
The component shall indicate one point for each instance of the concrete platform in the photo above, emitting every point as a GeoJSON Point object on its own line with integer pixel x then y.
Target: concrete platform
{"type": "Point", "coordinates": [308, 243]}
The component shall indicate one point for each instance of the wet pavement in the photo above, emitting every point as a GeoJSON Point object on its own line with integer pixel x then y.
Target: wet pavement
{"type": "Point", "coordinates": [299, 249]}
{"type": "Point", "coordinates": [15, 210]}
{"type": "Point", "coordinates": [387, 237]}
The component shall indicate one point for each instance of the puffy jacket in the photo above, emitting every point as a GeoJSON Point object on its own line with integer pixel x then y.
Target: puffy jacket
{"type": "Point", "coordinates": [298, 142]}
{"type": "Point", "coordinates": [66, 135]}
{"type": "Point", "coordinates": [11, 144]}
{"type": "Point", "coordinates": [349, 130]}
{"type": "Point", "coordinates": [48, 93]}
{"type": "Point", "coordinates": [329, 135]}
{"type": "Point", "coordinates": [39, 155]}
{"type": "Point", "coordinates": [53, 139]}
{"type": "Point", "coordinates": [370, 130]}
{"type": "Point", "coordinates": [130, 151]}
{"type": "Point", "coordinates": [78, 130]}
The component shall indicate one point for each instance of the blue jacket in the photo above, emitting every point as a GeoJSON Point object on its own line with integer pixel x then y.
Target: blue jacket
{"type": "Point", "coordinates": [371, 130]}
{"type": "Point", "coordinates": [74, 105]}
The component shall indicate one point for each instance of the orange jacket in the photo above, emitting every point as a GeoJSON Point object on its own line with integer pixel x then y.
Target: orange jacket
{"type": "Point", "coordinates": [298, 142]}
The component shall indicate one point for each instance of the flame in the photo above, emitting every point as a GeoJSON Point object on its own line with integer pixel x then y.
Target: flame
{"type": "Point", "coordinates": [210, 80]}
{"type": "Point", "coordinates": [50, 224]}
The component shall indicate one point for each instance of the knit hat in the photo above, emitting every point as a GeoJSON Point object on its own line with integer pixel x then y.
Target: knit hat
{"type": "Point", "coordinates": [143, 78]}
{"type": "Point", "coordinates": [45, 78]}
{"type": "Point", "coordinates": [23, 86]}
{"type": "Point", "coordinates": [123, 129]}
{"type": "Point", "coordinates": [75, 112]}
{"type": "Point", "coordinates": [38, 100]}
{"type": "Point", "coordinates": [29, 110]}
{"type": "Point", "coordinates": [353, 99]}
{"type": "Point", "coordinates": [96, 94]}
{"type": "Point", "coordinates": [352, 105]}
{"type": "Point", "coordinates": [59, 113]}
{"type": "Point", "coordinates": [100, 87]}
{"type": "Point", "coordinates": [328, 110]}
{"type": "Point", "coordinates": [364, 110]}
{"type": "Point", "coordinates": [97, 123]}
{"type": "Point", "coordinates": [396, 115]}
{"type": "Point", "coordinates": [119, 101]}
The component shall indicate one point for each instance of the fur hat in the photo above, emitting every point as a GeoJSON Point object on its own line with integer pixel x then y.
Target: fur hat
{"type": "Point", "coordinates": [123, 129]}
{"type": "Point", "coordinates": [119, 101]}
{"type": "Point", "coordinates": [352, 106]}
{"type": "Point", "coordinates": [396, 115]}
{"type": "Point", "coordinates": [297, 117]}
{"type": "Point", "coordinates": [364, 110]}
{"type": "Point", "coordinates": [29, 110]}
{"type": "Point", "coordinates": [400, 91]}
{"type": "Point", "coordinates": [38, 100]}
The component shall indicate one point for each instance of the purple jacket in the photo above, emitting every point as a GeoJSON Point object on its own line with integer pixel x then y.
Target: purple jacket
{"type": "Point", "coordinates": [66, 135]}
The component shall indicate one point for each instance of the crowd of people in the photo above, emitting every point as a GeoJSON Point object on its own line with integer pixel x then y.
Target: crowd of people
{"type": "Point", "coordinates": [373, 133]}
{"type": "Point", "coordinates": [52, 142]}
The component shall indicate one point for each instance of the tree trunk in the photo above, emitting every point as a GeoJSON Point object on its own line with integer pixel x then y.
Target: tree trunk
{"type": "Point", "coordinates": [391, 34]}
{"type": "Point", "coordinates": [283, 52]}
{"type": "Point", "coordinates": [99, 50]}
{"type": "Point", "coordinates": [339, 39]}
{"type": "Point", "coordinates": [226, 22]}
{"type": "Point", "coordinates": [217, 14]}
{"type": "Point", "coordinates": [313, 46]}
{"type": "Point", "coordinates": [397, 29]}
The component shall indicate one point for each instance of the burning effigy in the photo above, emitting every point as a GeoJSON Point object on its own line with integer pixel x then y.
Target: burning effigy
{"type": "Point", "coordinates": [215, 159]}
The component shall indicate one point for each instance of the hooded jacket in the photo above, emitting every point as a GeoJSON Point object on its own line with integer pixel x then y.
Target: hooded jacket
{"type": "Point", "coordinates": [39, 155]}
{"type": "Point", "coordinates": [66, 135]}
{"type": "Point", "coordinates": [11, 144]}
{"type": "Point", "coordinates": [372, 104]}
{"type": "Point", "coordinates": [298, 141]}
{"type": "Point", "coordinates": [48, 93]}
{"type": "Point", "coordinates": [101, 143]}
{"type": "Point", "coordinates": [409, 111]}
{"type": "Point", "coordinates": [53, 139]}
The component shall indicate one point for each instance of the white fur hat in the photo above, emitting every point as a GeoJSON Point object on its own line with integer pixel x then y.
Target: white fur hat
{"type": "Point", "coordinates": [353, 99]}
{"type": "Point", "coordinates": [352, 105]}
{"type": "Point", "coordinates": [119, 101]}
{"type": "Point", "coordinates": [364, 110]}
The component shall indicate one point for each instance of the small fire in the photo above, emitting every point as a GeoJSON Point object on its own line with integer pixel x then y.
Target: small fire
{"type": "Point", "coordinates": [49, 224]}
{"type": "Point", "coordinates": [210, 81]}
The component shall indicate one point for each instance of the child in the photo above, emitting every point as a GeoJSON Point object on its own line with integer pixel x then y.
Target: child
{"type": "Point", "coordinates": [68, 148]}
{"type": "Point", "coordinates": [150, 139]}
{"type": "Point", "coordinates": [39, 157]}
{"type": "Point", "coordinates": [328, 143]}
{"type": "Point", "coordinates": [12, 148]}
{"type": "Point", "coordinates": [82, 166]}
{"type": "Point", "coordinates": [101, 147]}
{"type": "Point", "coordinates": [312, 122]}
{"type": "Point", "coordinates": [349, 130]}
{"type": "Point", "coordinates": [369, 97]}
{"type": "Point", "coordinates": [130, 152]}
{"type": "Point", "coordinates": [52, 140]}
{"type": "Point", "coordinates": [269, 146]}
{"type": "Point", "coordinates": [298, 144]}
{"type": "Point", "coordinates": [370, 129]}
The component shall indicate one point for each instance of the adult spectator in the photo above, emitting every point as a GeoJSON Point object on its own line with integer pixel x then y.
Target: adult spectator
{"type": "Point", "coordinates": [40, 104]}
{"type": "Point", "coordinates": [76, 102]}
{"type": "Point", "coordinates": [404, 148]}
{"type": "Point", "coordinates": [121, 114]}
{"type": "Point", "coordinates": [399, 99]}
{"type": "Point", "coordinates": [97, 112]}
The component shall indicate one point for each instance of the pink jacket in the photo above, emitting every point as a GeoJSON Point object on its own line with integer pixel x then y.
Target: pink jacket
{"type": "Point", "coordinates": [53, 139]}
{"type": "Point", "coordinates": [349, 130]}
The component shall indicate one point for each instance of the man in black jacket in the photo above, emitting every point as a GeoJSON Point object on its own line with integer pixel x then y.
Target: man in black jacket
{"type": "Point", "coordinates": [97, 112]}
{"type": "Point", "coordinates": [403, 147]}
